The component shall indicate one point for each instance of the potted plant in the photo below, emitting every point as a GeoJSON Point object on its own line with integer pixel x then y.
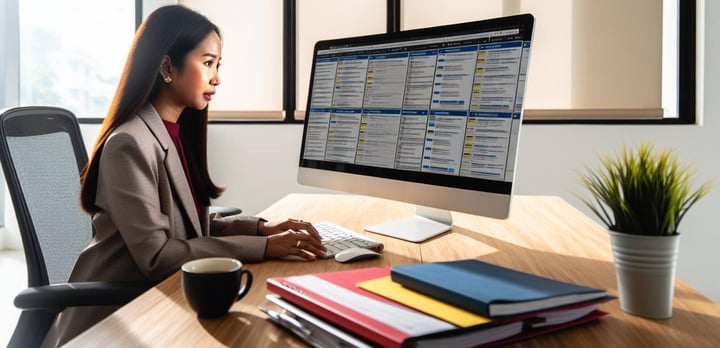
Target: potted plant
{"type": "Point", "coordinates": [642, 195]}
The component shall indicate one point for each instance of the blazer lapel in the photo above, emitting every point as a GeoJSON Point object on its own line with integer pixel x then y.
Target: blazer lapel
{"type": "Point", "coordinates": [173, 165]}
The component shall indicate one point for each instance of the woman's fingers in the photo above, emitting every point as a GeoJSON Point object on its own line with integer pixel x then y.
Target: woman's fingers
{"type": "Point", "coordinates": [300, 225]}
{"type": "Point", "coordinates": [306, 242]}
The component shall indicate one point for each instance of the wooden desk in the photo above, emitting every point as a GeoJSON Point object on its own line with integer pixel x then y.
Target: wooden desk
{"type": "Point", "coordinates": [544, 235]}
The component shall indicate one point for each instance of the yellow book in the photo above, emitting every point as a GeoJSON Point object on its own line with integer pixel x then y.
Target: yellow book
{"type": "Point", "coordinates": [387, 288]}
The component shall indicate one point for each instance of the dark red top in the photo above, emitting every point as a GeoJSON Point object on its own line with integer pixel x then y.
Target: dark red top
{"type": "Point", "coordinates": [174, 132]}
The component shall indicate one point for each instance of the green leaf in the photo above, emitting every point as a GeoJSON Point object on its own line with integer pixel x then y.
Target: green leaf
{"type": "Point", "coordinates": [641, 191]}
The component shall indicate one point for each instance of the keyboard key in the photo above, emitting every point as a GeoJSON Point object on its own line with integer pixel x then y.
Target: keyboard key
{"type": "Point", "coordinates": [337, 238]}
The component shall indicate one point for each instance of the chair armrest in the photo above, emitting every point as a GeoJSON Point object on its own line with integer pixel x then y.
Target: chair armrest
{"type": "Point", "coordinates": [59, 296]}
{"type": "Point", "coordinates": [224, 211]}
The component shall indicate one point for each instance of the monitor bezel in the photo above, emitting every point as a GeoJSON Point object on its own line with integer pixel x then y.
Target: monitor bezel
{"type": "Point", "coordinates": [451, 192]}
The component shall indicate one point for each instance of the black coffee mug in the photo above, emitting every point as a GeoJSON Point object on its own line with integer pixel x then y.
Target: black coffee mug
{"type": "Point", "coordinates": [211, 285]}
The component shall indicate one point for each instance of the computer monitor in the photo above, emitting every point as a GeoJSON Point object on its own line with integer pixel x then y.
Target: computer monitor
{"type": "Point", "coordinates": [427, 116]}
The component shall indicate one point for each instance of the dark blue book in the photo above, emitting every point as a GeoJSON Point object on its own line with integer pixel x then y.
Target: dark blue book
{"type": "Point", "coordinates": [490, 290]}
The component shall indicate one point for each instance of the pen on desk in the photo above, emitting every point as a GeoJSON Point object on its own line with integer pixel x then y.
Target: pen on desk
{"type": "Point", "coordinates": [286, 321]}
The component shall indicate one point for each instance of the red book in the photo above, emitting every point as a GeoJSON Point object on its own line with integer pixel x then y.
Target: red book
{"type": "Point", "coordinates": [314, 301]}
{"type": "Point", "coordinates": [335, 298]}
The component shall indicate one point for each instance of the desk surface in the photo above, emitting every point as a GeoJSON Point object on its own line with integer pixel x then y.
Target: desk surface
{"type": "Point", "coordinates": [544, 235]}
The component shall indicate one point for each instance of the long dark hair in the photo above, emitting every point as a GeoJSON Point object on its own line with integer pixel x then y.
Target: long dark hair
{"type": "Point", "coordinates": [173, 31]}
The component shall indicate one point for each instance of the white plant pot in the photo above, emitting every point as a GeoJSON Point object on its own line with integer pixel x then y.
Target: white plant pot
{"type": "Point", "coordinates": [645, 267]}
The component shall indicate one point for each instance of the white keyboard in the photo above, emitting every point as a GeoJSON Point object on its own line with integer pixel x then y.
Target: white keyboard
{"type": "Point", "coordinates": [337, 238]}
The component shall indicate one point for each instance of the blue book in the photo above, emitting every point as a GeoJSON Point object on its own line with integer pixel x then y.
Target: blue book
{"type": "Point", "coordinates": [490, 290]}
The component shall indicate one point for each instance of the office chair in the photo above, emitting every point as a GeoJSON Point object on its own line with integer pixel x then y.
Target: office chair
{"type": "Point", "coordinates": [42, 153]}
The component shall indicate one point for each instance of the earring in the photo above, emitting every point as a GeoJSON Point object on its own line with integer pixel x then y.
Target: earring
{"type": "Point", "coordinates": [167, 79]}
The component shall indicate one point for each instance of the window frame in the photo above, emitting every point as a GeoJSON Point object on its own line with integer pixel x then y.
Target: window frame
{"type": "Point", "coordinates": [686, 54]}
{"type": "Point", "coordinates": [686, 51]}
{"type": "Point", "coordinates": [686, 79]}
{"type": "Point", "coordinates": [9, 61]}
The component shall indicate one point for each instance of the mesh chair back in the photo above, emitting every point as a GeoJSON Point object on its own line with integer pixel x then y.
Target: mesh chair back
{"type": "Point", "coordinates": [42, 154]}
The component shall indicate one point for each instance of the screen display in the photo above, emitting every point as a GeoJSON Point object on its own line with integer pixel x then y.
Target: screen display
{"type": "Point", "coordinates": [439, 106]}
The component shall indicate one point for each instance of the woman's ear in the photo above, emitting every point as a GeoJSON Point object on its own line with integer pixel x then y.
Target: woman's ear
{"type": "Point", "coordinates": [166, 69]}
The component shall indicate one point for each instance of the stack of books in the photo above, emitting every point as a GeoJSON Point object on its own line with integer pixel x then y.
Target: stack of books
{"type": "Point", "coordinates": [465, 303]}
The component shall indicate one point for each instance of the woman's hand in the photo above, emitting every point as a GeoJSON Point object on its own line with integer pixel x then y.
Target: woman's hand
{"type": "Point", "coordinates": [292, 237]}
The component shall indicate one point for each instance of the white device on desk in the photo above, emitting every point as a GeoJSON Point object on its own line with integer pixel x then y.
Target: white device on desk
{"type": "Point", "coordinates": [355, 254]}
{"type": "Point", "coordinates": [337, 238]}
{"type": "Point", "coordinates": [426, 116]}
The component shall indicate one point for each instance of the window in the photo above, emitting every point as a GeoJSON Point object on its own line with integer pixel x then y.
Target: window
{"type": "Point", "coordinates": [313, 20]}
{"type": "Point", "coordinates": [252, 76]}
{"type": "Point", "coordinates": [593, 61]}
{"type": "Point", "coordinates": [71, 53]}
{"type": "Point", "coordinates": [251, 73]}
{"type": "Point", "coordinates": [590, 59]}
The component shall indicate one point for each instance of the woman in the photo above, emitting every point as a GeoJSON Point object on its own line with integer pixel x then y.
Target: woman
{"type": "Point", "coordinates": [147, 184]}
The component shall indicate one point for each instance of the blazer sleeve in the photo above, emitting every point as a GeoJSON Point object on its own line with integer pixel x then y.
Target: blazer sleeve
{"type": "Point", "coordinates": [130, 181]}
{"type": "Point", "coordinates": [235, 225]}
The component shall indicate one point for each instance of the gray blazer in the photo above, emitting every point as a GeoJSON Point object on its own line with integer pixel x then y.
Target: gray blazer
{"type": "Point", "coordinates": [148, 225]}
